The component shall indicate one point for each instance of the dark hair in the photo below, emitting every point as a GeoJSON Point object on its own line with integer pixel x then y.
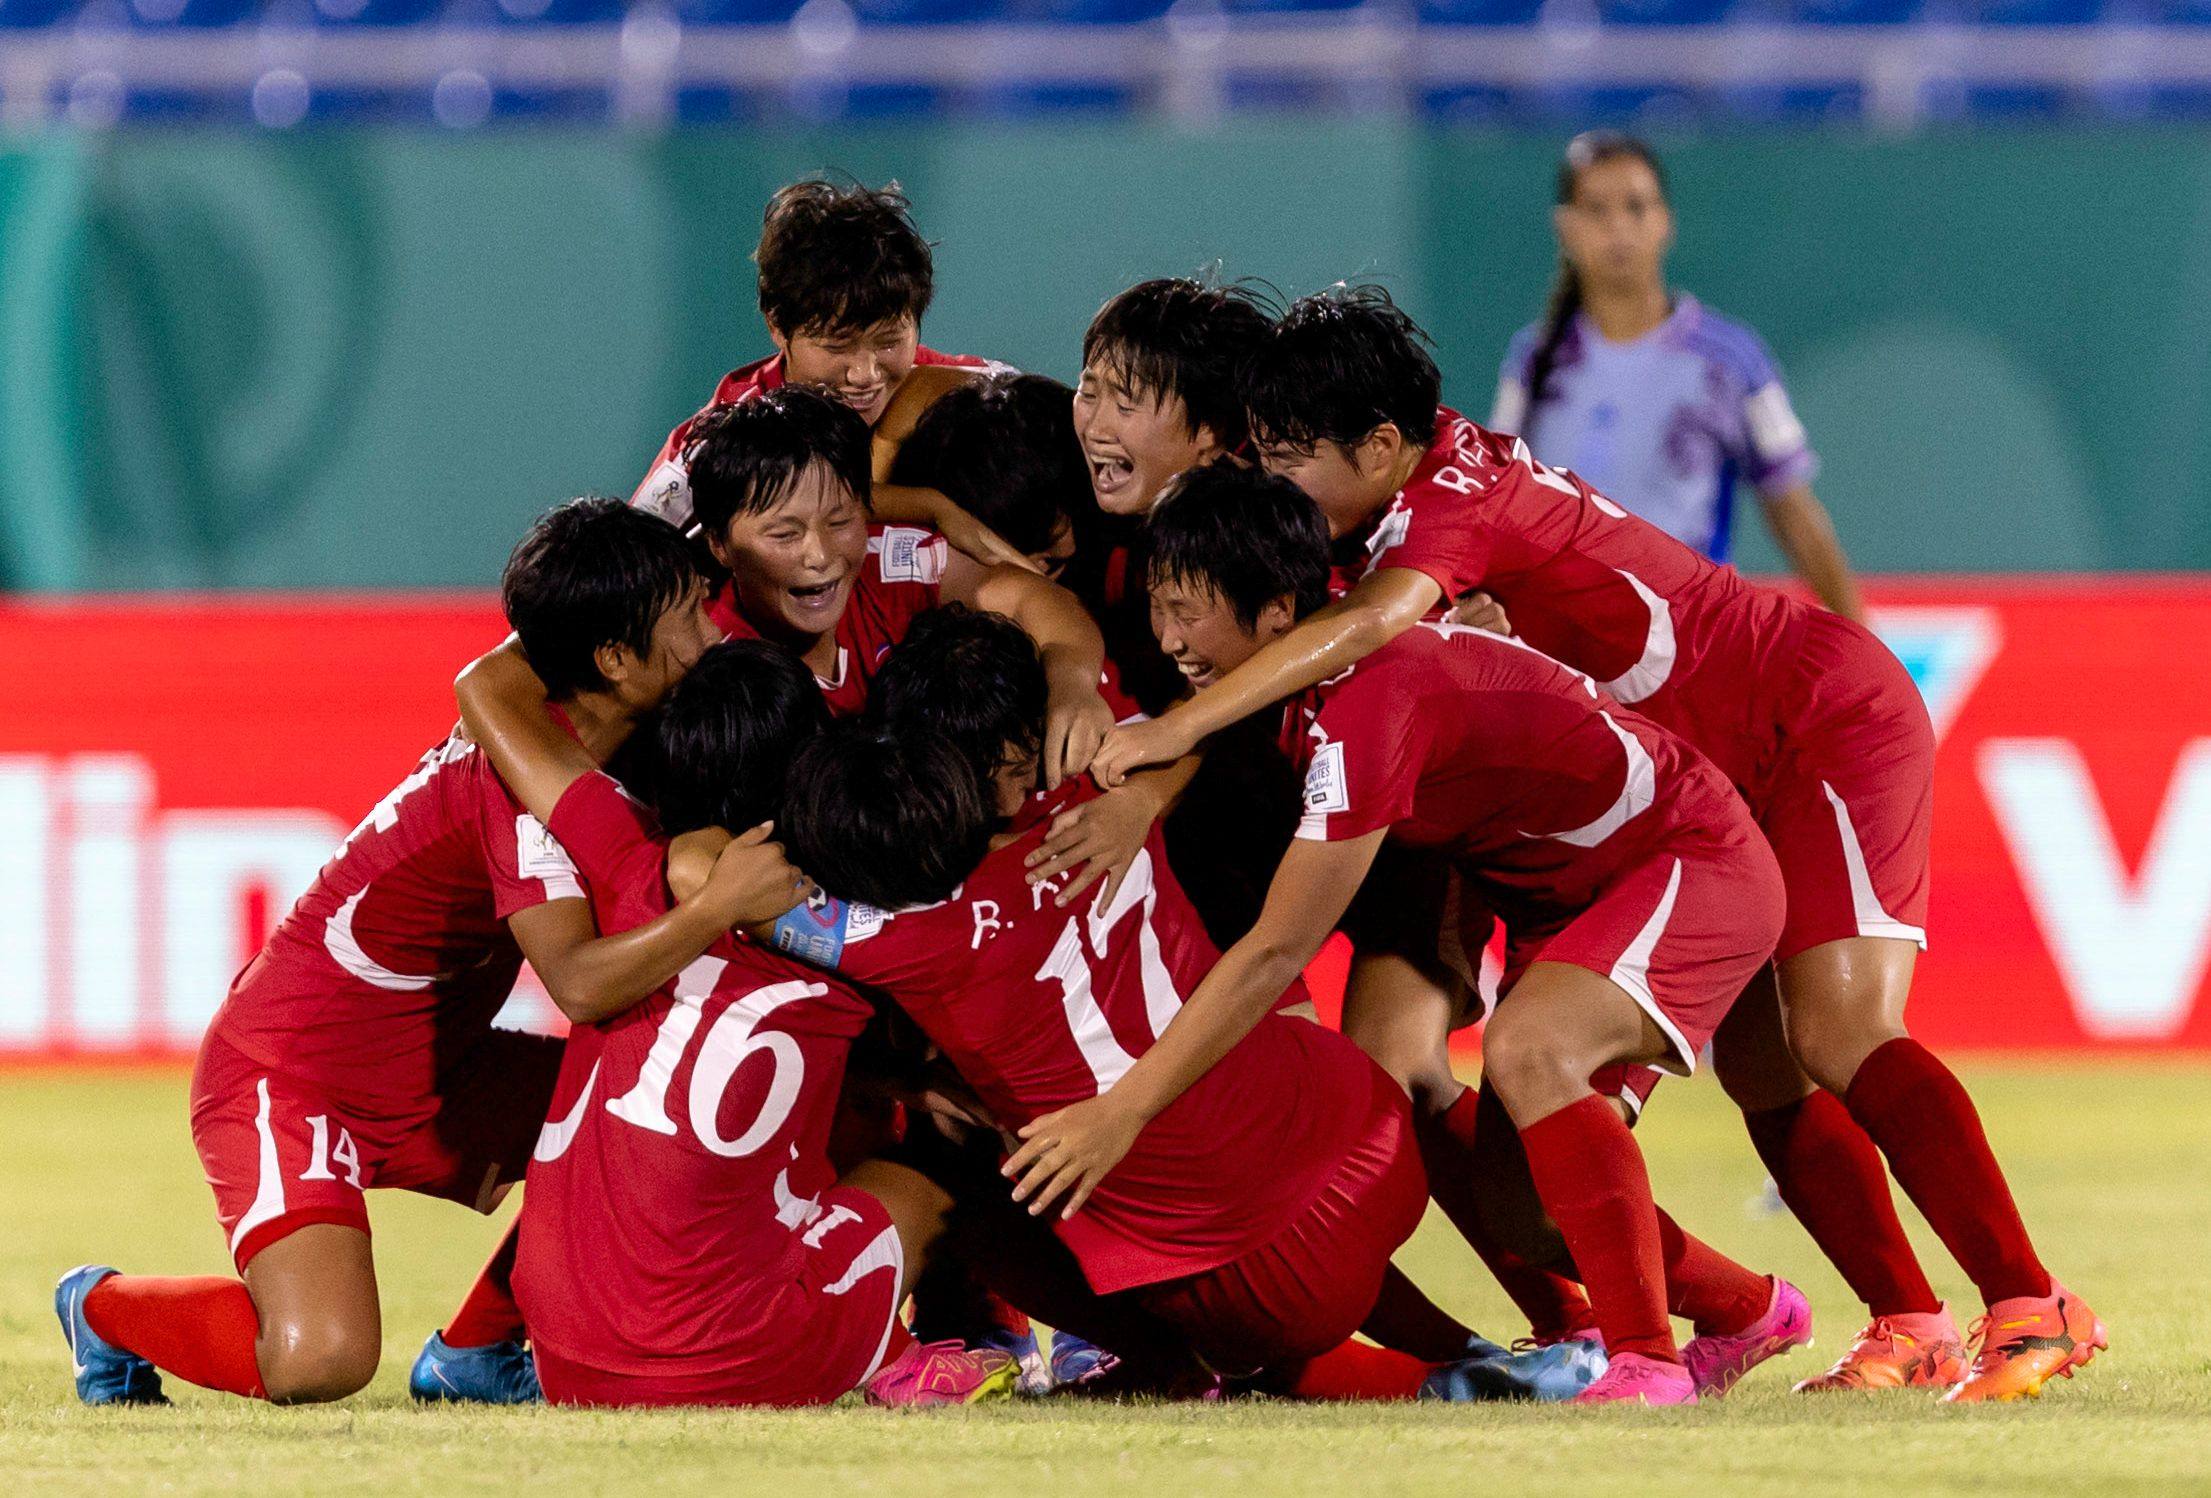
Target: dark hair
{"type": "Point", "coordinates": [1242, 533]}
{"type": "Point", "coordinates": [1005, 451]}
{"type": "Point", "coordinates": [1339, 364]}
{"type": "Point", "coordinates": [973, 677]}
{"type": "Point", "coordinates": [896, 819]}
{"type": "Point", "coordinates": [1582, 152]}
{"type": "Point", "coordinates": [744, 458]}
{"type": "Point", "coordinates": [727, 734]}
{"type": "Point", "coordinates": [592, 572]}
{"type": "Point", "coordinates": [838, 257]}
{"type": "Point", "coordinates": [1186, 338]}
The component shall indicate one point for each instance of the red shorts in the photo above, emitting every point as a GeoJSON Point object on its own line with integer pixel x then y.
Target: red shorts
{"type": "Point", "coordinates": [1848, 800]}
{"type": "Point", "coordinates": [281, 1152]}
{"type": "Point", "coordinates": [828, 1330]}
{"type": "Point", "coordinates": [1681, 934]}
{"type": "Point", "coordinates": [1316, 1281]}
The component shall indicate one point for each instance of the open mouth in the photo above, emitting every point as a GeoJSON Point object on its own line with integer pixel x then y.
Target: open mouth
{"type": "Point", "coordinates": [1109, 475]}
{"type": "Point", "coordinates": [818, 599]}
{"type": "Point", "coordinates": [1199, 674]}
{"type": "Point", "coordinates": [864, 401]}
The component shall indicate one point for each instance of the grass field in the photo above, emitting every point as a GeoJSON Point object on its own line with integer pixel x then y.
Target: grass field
{"type": "Point", "coordinates": [2113, 1166]}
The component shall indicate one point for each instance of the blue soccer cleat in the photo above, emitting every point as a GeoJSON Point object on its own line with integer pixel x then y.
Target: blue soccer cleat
{"type": "Point", "coordinates": [106, 1374]}
{"type": "Point", "coordinates": [1019, 1343]}
{"type": "Point", "coordinates": [1545, 1374]}
{"type": "Point", "coordinates": [1075, 1361]}
{"type": "Point", "coordinates": [501, 1373]}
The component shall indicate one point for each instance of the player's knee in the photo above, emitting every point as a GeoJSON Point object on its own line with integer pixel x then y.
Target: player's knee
{"type": "Point", "coordinates": [318, 1359]}
{"type": "Point", "coordinates": [1532, 1068]}
{"type": "Point", "coordinates": [1830, 1040]}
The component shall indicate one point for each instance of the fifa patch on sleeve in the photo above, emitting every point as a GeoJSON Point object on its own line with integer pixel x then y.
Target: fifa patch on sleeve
{"type": "Point", "coordinates": [539, 855]}
{"type": "Point", "coordinates": [1774, 430]}
{"type": "Point", "coordinates": [1325, 789]}
{"type": "Point", "coordinates": [666, 492]}
{"type": "Point", "coordinates": [906, 555]}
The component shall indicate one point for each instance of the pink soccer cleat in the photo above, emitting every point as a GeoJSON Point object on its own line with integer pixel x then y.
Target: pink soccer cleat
{"type": "Point", "coordinates": [1633, 1378]}
{"type": "Point", "coordinates": [1718, 1361]}
{"type": "Point", "coordinates": [928, 1374]}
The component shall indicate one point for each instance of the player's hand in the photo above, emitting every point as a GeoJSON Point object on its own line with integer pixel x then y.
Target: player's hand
{"type": "Point", "coordinates": [1480, 611]}
{"type": "Point", "coordinates": [753, 882]}
{"type": "Point", "coordinates": [691, 859]}
{"type": "Point", "coordinates": [975, 539]}
{"type": "Point", "coordinates": [1066, 1154]}
{"type": "Point", "coordinates": [1076, 722]}
{"type": "Point", "coordinates": [1103, 836]}
{"type": "Point", "coordinates": [1131, 746]}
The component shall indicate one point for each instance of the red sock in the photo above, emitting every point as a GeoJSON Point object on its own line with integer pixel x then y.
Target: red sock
{"type": "Point", "coordinates": [201, 1328]}
{"type": "Point", "coordinates": [1831, 1176]}
{"type": "Point", "coordinates": [1917, 1111]}
{"type": "Point", "coordinates": [1592, 1178]}
{"type": "Point", "coordinates": [1357, 1371]}
{"type": "Point", "coordinates": [1714, 1292]}
{"type": "Point", "coordinates": [489, 1314]}
{"type": "Point", "coordinates": [1459, 1177]}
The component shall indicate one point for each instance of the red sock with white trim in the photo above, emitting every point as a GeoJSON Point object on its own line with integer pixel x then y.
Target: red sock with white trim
{"type": "Point", "coordinates": [1460, 1176]}
{"type": "Point", "coordinates": [202, 1328]}
{"type": "Point", "coordinates": [1592, 1178]}
{"type": "Point", "coordinates": [489, 1313]}
{"type": "Point", "coordinates": [1357, 1371]}
{"type": "Point", "coordinates": [1830, 1174]}
{"type": "Point", "coordinates": [1919, 1114]}
{"type": "Point", "coordinates": [1714, 1292]}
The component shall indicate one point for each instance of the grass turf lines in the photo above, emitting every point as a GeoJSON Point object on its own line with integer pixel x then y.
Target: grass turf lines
{"type": "Point", "coordinates": [2112, 1164]}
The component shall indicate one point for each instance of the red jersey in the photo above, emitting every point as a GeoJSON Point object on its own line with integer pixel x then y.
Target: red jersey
{"type": "Point", "coordinates": [1039, 1008]}
{"type": "Point", "coordinates": [900, 578]}
{"type": "Point", "coordinates": [1686, 642]}
{"type": "Point", "coordinates": [671, 1189]}
{"type": "Point", "coordinates": [666, 488]}
{"type": "Point", "coordinates": [398, 955]}
{"type": "Point", "coordinates": [1541, 789]}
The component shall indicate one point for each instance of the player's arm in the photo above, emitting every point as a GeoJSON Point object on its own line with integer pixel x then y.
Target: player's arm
{"type": "Point", "coordinates": [503, 708]}
{"type": "Point", "coordinates": [590, 977]}
{"type": "Point", "coordinates": [1806, 535]}
{"type": "Point", "coordinates": [1069, 1152]}
{"type": "Point", "coordinates": [1383, 605]}
{"type": "Point", "coordinates": [1076, 718]}
{"type": "Point", "coordinates": [911, 504]}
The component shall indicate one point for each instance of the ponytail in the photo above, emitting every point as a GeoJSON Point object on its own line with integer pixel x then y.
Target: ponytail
{"type": "Point", "coordinates": [1558, 316]}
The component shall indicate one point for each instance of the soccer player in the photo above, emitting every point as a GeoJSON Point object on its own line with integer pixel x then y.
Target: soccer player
{"type": "Point", "coordinates": [1659, 402]}
{"type": "Point", "coordinates": [780, 486]}
{"type": "Point", "coordinates": [356, 1051]}
{"type": "Point", "coordinates": [845, 279]}
{"type": "Point", "coordinates": [1004, 450]}
{"type": "Point", "coordinates": [1258, 1215]}
{"type": "Point", "coordinates": [1807, 713]}
{"type": "Point", "coordinates": [685, 1238]}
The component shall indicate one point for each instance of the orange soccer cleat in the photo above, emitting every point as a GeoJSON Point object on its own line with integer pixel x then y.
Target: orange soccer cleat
{"type": "Point", "coordinates": [1915, 1349]}
{"type": "Point", "coordinates": [2027, 1341]}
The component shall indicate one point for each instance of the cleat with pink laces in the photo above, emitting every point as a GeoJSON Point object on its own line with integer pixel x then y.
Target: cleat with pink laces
{"type": "Point", "coordinates": [928, 1374]}
{"type": "Point", "coordinates": [1633, 1378]}
{"type": "Point", "coordinates": [1908, 1350]}
{"type": "Point", "coordinates": [1718, 1361]}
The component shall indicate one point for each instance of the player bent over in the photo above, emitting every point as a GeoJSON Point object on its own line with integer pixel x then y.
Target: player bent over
{"type": "Point", "coordinates": [356, 1050]}
{"type": "Point", "coordinates": [1258, 1215]}
{"type": "Point", "coordinates": [1637, 894]}
{"type": "Point", "coordinates": [685, 1238]}
{"type": "Point", "coordinates": [1815, 722]}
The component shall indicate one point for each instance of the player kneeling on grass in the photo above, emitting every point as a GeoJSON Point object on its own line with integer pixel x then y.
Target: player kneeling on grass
{"type": "Point", "coordinates": [1258, 1215]}
{"type": "Point", "coordinates": [356, 1051]}
{"type": "Point", "coordinates": [685, 1238]}
{"type": "Point", "coordinates": [1636, 892]}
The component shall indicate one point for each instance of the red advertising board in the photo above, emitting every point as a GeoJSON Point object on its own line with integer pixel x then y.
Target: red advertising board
{"type": "Point", "coordinates": [173, 770]}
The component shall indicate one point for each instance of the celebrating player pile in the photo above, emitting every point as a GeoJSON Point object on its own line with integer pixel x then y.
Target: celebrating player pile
{"type": "Point", "coordinates": [1026, 678]}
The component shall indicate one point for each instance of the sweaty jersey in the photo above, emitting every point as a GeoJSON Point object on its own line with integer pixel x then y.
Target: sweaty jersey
{"type": "Point", "coordinates": [900, 578]}
{"type": "Point", "coordinates": [398, 955]}
{"type": "Point", "coordinates": [1039, 1008]}
{"type": "Point", "coordinates": [1687, 643]}
{"type": "Point", "coordinates": [1538, 788]}
{"type": "Point", "coordinates": [666, 488]}
{"type": "Point", "coordinates": [1666, 424]}
{"type": "Point", "coordinates": [678, 1174]}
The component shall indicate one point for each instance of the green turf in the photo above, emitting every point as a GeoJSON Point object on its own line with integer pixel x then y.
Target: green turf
{"type": "Point", "coordinates": [2113, 1166]}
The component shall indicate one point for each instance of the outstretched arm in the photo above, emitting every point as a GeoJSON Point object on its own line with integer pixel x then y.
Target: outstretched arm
{"type": "Point", "coordinates": [1076, 718]}
{"type": "Point", "coordinates": [1381, 607]}
{"type": "Point", "coordinates": [1069, 1152]}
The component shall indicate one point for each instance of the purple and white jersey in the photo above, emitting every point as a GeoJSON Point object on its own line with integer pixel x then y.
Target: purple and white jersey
{"type": "Point", "coordinates": [1664, 425]}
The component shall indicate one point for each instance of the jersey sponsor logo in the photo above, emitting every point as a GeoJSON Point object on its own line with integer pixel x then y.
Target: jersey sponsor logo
{"type": "Point", "coordinates": [905, 555]}
{"type": "Point", "coordinates": [1326, 787]}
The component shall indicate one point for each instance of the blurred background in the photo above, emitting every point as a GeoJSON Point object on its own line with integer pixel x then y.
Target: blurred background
{"type": "Point", "coordinates": [306, 306]}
